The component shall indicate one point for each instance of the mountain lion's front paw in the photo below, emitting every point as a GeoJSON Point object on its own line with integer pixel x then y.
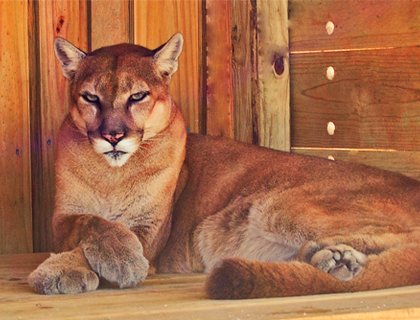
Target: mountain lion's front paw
{"type": "Point", "coordinates": [117, 256]}
{"type": "Point", "coordinates": [341, 261]}
{"type": "Point", "coordinates": [67, 272]}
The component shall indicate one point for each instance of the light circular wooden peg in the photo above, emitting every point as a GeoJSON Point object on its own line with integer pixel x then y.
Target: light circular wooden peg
{"type": "Point", "coordinates": [329, 26]}
{"type": "Point", "coordinates": [331, 128]}
{"type": "Point", "coordinates": [330, 73]}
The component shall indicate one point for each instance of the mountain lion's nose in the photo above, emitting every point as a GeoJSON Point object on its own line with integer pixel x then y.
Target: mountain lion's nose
{"type": "Point", "coordinates": [113, 137]}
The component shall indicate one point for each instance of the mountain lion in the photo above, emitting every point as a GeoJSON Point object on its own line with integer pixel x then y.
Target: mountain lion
{"type": "Point", "coordinates": [136, 194]}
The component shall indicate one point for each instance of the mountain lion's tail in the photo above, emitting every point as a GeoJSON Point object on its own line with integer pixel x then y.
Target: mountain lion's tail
{"type": "Point", "coordinates": [241, 279]}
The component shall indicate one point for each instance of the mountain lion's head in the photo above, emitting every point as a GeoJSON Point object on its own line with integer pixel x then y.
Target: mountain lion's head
{"type": "Point", "coordinates": [119, 94]}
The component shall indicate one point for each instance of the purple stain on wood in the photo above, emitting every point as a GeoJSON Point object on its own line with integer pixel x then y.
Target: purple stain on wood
{"type": "Point", "coordinates": [38, 305]}
{"type": "Point", "coordinates": [49, 142]}
{"type": "Point", "coordinates": [17, 152]}
{"type": "Point", "coordinates": [59, 25]}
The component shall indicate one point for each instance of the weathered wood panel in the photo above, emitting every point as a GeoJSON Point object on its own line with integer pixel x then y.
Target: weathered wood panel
{"type": "Point", "coordinates": [154, 23]}
{"type": "Point", "coordinates": [110, 22]}
{"type": "Point", "coordinates": [15, 168]}
{"type": "Point", "coordinates": [244, 71]}
{"type": "Point", "coordinates": [219, 83]}
{"type": "Point", "coordinates": [405, 162]}
{"type": "Point", "coordinates": [246, 99]}
{"type": "Point", "coordinates": [373, 100]}
{"type": "Point", "coordinates": [67, 19]}
{"type": "Point", "coordinates": [358, 24]}
{"type": "Point", "coordinates": [182, 297]}
{"type": "Point", "coordinates": [273, 105]}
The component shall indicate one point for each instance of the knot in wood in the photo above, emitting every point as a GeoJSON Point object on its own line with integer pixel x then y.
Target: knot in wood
{"type": "Point", "coordinates": [278, 65]}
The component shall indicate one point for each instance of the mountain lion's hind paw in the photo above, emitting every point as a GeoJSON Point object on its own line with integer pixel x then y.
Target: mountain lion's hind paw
{"type": "Point", "coordinates": [341, 261]}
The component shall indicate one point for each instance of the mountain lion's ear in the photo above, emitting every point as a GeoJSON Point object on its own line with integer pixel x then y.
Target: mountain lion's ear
{"type": "Point", "coordinates": [166, 57]}
{"type": "Point", "coordinates": [68, 55]}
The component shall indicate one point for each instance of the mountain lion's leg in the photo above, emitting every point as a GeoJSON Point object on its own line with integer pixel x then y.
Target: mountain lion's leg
{"type": "Point", "coordinates": [344, 257]}
{"type": "Point", "coordinates": [245, 230]}
{"type": "Point", "coordinates": [67, 272]}
{"type": "Point", "coordinates": [241, 279]}
{"type": "Point", "coordinates": [110, 249]}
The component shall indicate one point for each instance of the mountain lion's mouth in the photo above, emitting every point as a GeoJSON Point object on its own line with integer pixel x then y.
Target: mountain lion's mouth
{"type": "Point", "coordinates": [115, 154]}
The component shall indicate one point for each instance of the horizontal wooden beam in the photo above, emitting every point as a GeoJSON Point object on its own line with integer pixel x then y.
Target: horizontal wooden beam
{"type": "Point", "coordinates": [355, 24]}
{"type": "Point", "coordinates": [405, 162]}
{"type": "Point", "coordinates": [372, 99]}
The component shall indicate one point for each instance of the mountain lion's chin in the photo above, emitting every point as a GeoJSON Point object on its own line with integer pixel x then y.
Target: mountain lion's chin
{"type": "Point", "coordinates": [117, 158]}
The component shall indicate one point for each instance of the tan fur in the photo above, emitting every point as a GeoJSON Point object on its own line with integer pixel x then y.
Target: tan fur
{"type": "Point", "coordinates": [262, 222]}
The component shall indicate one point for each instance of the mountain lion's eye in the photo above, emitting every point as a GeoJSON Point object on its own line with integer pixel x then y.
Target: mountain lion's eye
{"type": "Point", "coordinates": [90, 97]}
{"type": "Point", "coordinates": [139, 96]}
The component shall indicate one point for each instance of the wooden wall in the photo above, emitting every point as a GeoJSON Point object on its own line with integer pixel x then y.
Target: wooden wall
{"type": "Point", "coordinates": [252, 70]}
{"type": "Point", "coordinates": [374, 98]}
{"type": "Point", "coordinates": [15, 160]}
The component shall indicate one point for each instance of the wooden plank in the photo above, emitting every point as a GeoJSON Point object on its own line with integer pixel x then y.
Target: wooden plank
{"type": "Point", "coordinates": [110, 22]}
{"type": "Point", "coordinates": [15, 167]}
{"type": "Point", "coordinates": [67, 19]}
{"type": "Point", "coordinates": [244, 65]}
{"type": "Point", "coordinates": [372, 100]}
{"type": "Point", "coordinates": [219, 85]}
{"type": "Point", "coordinates": [182, 297]}
{"type": "Point", "coordinates": [359, 24]}
{"type": "Point", "coordinates": [154, 23]}
{"type": "Point", "coordinates": [273, 75]}
{"type": "Point", "coordinates": [405, 162]}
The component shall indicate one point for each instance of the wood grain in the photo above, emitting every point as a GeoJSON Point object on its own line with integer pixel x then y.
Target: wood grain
{"type": "Point", "coordinates": [154, 23]}
{"type": "Point", "coordinates": [244, 71]}
{"type": "Point", "coordinates": [358, 24]}
{"type": "Point", "coordinates": [373, 99]}
{"type": "Point", "coordinates": [405, 162]}
{"type": "Point", "coordinates": [110, 22]}
{"type": "Point", "coordinates": [182, 297]}
{"type": "Point", "coordinates": [67, 19]}
{"type": "Point", "coordinates": [219, 85]}
{"type": "Point", "coordinates": [15, 167]}
{"type": "Point", "coordinates": [273, 104]}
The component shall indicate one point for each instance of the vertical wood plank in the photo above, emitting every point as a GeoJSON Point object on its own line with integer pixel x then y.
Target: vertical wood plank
{"type": "Point", "coordinates": [15, 168]}
{"type": "Point", "coordinates": [219, 85]}
{"type": "Point", "coordinates": [110, 22]}
{"type": "Point", "coordinates": [154, 23]}
{"type": "Point", "coordinates": [67, 19]}
{"type": "Point", "coordinates": [273, 95]}
{"type": "Point", "coordinates": [244, 70]}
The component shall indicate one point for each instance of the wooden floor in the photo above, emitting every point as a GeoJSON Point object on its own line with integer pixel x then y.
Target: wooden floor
{"type": "Point", "coordinates": [182, 297]}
